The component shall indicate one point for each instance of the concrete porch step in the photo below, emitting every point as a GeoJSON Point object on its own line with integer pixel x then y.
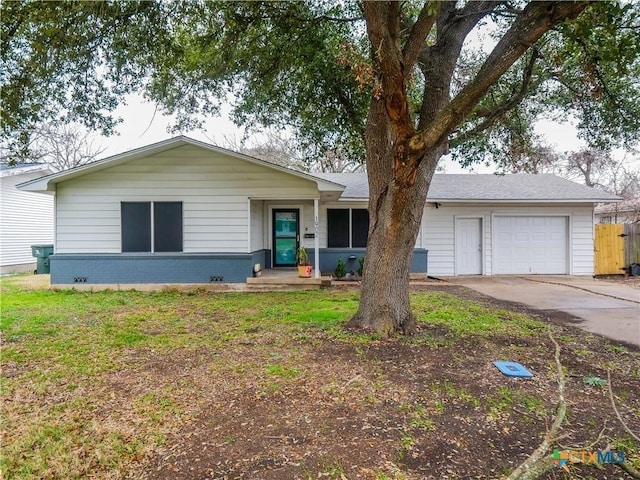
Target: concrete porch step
{"type": "Point", "coordinates": [280, 287]}
{"type": "Point", "coordinates": [289, 281]}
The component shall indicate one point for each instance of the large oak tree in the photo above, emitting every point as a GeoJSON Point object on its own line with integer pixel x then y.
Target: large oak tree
{"type": "Point", "coordinates": [396, 84]}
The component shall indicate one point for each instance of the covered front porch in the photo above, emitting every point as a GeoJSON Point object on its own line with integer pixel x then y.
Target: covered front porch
{"type": "Point", "coordinates": [279, 227]}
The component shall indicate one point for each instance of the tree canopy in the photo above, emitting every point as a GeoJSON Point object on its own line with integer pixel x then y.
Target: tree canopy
{"type": "Point", "coordinates": [307, 66]}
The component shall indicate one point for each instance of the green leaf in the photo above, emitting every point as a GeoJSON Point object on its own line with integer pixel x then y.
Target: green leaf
{"type": "Point", "coordinates": [594, 381]}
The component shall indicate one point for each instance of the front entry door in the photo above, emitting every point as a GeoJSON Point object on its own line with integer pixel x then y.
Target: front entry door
{"type": "Point", "coordinates": [468, 246]}
{"type": "Point", "coordinates": [286, 236]}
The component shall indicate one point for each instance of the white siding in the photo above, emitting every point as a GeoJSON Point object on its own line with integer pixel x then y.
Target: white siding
{"type": "Point", "coordinates": [26, 219]}
{"type": "Point", "coordinates": [214, 189]}
{"type": "Point", "coordinates": [438, 231]}
{"type": "Point", "coordinates": [581, 238]}
{"type": "Point", "coordinates": [226, 199]}
{"type": "Point", "coordinates": [307, 225]}
{"type": "Point", "coordinates": [257, 230]}
{"type": "Point", "coordinates": [438, 227]}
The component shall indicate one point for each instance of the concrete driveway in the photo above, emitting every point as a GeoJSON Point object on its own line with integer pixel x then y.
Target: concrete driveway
{"type": "Point", "coordinates": [606, 308]}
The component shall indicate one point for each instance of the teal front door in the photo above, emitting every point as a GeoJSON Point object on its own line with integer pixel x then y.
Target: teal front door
{"type": "Point", "coordinates": [286, 235]}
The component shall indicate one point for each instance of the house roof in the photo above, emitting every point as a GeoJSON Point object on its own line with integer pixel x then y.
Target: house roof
{"type": "Point", "coordinates": [630, 205]}
{"type": "Point", "coordinates": [47, 183]}
{"type": "Point", "coordinates": [22, 168]}
{"type": "Point", "coordinates": [519, 187]}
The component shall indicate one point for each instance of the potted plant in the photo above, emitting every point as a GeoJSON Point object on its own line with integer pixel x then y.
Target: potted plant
{"type": "Point", "coordinates": [302, 259]}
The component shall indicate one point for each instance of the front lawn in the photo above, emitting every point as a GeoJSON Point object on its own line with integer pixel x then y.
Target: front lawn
{"type": "Point", "coordinates": [270, 386]}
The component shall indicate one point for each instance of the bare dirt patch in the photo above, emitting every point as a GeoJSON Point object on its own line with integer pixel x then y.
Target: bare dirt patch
{"type": "Point", "coordinates": [433, 407]}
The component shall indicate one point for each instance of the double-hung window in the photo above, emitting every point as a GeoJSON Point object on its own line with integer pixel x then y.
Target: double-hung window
{"type": "Point", "coordinates": [347, 227]}
{"type": "Point", "coordinates": [151, 226]}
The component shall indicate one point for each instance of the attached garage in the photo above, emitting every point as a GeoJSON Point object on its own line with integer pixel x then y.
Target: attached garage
{"type": "Point", "coordinates": [530, 245]}
{"type": "Point", "coordinates": [527, 223]}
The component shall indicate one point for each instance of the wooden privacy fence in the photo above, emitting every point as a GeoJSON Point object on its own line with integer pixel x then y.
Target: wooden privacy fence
{"type": "Point", "coordinates": [617, 246]}
{"type": "Point", "coordinates": [631, 243]}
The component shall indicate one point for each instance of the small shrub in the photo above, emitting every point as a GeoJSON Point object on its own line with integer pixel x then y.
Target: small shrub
{"type": "Point", "coordinates": [341, 269]}
{"type": "Point", "coordinates": [360, 266]}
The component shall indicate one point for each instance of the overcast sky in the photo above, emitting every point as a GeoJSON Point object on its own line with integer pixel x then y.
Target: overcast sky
{"type": "Point", "coordinates": [141, 127]}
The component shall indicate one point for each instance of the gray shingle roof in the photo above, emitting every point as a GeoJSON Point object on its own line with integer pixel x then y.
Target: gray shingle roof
{"type": "Point", "coordinates": [485, 187]}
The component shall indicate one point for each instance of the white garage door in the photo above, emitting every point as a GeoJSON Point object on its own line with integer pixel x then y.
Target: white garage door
{"type": "Point", "coordinates": [530, 245]}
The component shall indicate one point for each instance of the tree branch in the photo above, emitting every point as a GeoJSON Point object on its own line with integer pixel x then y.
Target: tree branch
{"type": "Point", "coordinates": [463, 20]}
{"type": "Point", "coordinates": [383, 29]}
{"type": "Point", "coordinates": [538, 463]}
{"type": "Point", "coordinates": [335, 19]}
{"type": "Point", "coordinates": [507, 106]}
{"type": "Point", "coordinates": [627, 467]}
{"type": "Point", "coordinates": [439, 61]}
{"type": "Point", "coordinates": [393, 22]}
{"type": "Point", "coordinates": [536, 19]}
{"type": "Point", "coordinates": [615, 408]}
{"type": "Point", "coordinates": [601, 80]}
{"type": "Point", "coordinates": [418, 36]}
{"type": "Point", "coordinates": [377, 32]}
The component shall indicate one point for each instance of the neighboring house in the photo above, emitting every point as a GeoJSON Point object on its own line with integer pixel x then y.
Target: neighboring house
{"type": "Point", "coordinates": [627, 211]}
{"type": "Point", "coordinates": [183, 211]}
{"type": "Point", "coordinates": [25, 219]}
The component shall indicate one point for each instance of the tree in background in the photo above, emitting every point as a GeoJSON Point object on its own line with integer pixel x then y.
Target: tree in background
{"type": "Point", "coordinates": [274, 148]}
{"type": "Point", "coordinates": [66, 146]}
{"type": "Point", "coordinates": [283, 150]}
{"type": "Point", "coordinates": [538, 158]}
{"type": "Point", "coordinates": [396, 84]}
{"type": "Point", "coordinates": [594, 168]}
{"type": "Point", "coordinates": [600, 170]}
{"type": "Point", "coordinates": [62, 148]}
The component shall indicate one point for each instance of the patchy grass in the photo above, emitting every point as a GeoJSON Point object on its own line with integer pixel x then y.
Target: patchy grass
{"type": "Point", "coordinates": [468, 318]}
{"type": "Point", "coordinates": [197, 384]}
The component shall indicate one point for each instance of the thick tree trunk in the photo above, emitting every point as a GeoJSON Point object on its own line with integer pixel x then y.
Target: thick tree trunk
{"type": "Point", "coordinates": [398, 188]}
{"type": "Point", "coordinates": [399, 170]}
{"type": "Point", "coordinates": [384, 302]}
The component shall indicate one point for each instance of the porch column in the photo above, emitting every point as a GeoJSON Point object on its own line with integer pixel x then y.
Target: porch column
{"type": "Point", "coordinates": [248, 225]}
{"type": "Point", "coordinates": [316, 240]}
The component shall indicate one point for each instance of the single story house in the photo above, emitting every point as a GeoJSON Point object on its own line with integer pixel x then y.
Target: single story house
{"type": "Point", "coordinates": [25, 219]}
{"type": "Point", "coordinates": [184, 211]}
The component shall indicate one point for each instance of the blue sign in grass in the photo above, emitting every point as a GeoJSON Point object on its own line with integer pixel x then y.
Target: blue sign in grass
{"type": "Point", "coordinates": [513, 369]}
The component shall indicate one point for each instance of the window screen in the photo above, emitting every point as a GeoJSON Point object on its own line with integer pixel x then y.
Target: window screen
{"type": "Point", "coordinates": [359, 227]}
{"type": "Point", "coordinates": [136, 226]}
{"type": "Point", "coordinates": [338, 228]}
{"type": "Point", "coordinates": [167, 226]}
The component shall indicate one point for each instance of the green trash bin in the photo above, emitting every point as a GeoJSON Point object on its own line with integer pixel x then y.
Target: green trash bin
{"type": "Point", "coordinates": [42, 254]}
